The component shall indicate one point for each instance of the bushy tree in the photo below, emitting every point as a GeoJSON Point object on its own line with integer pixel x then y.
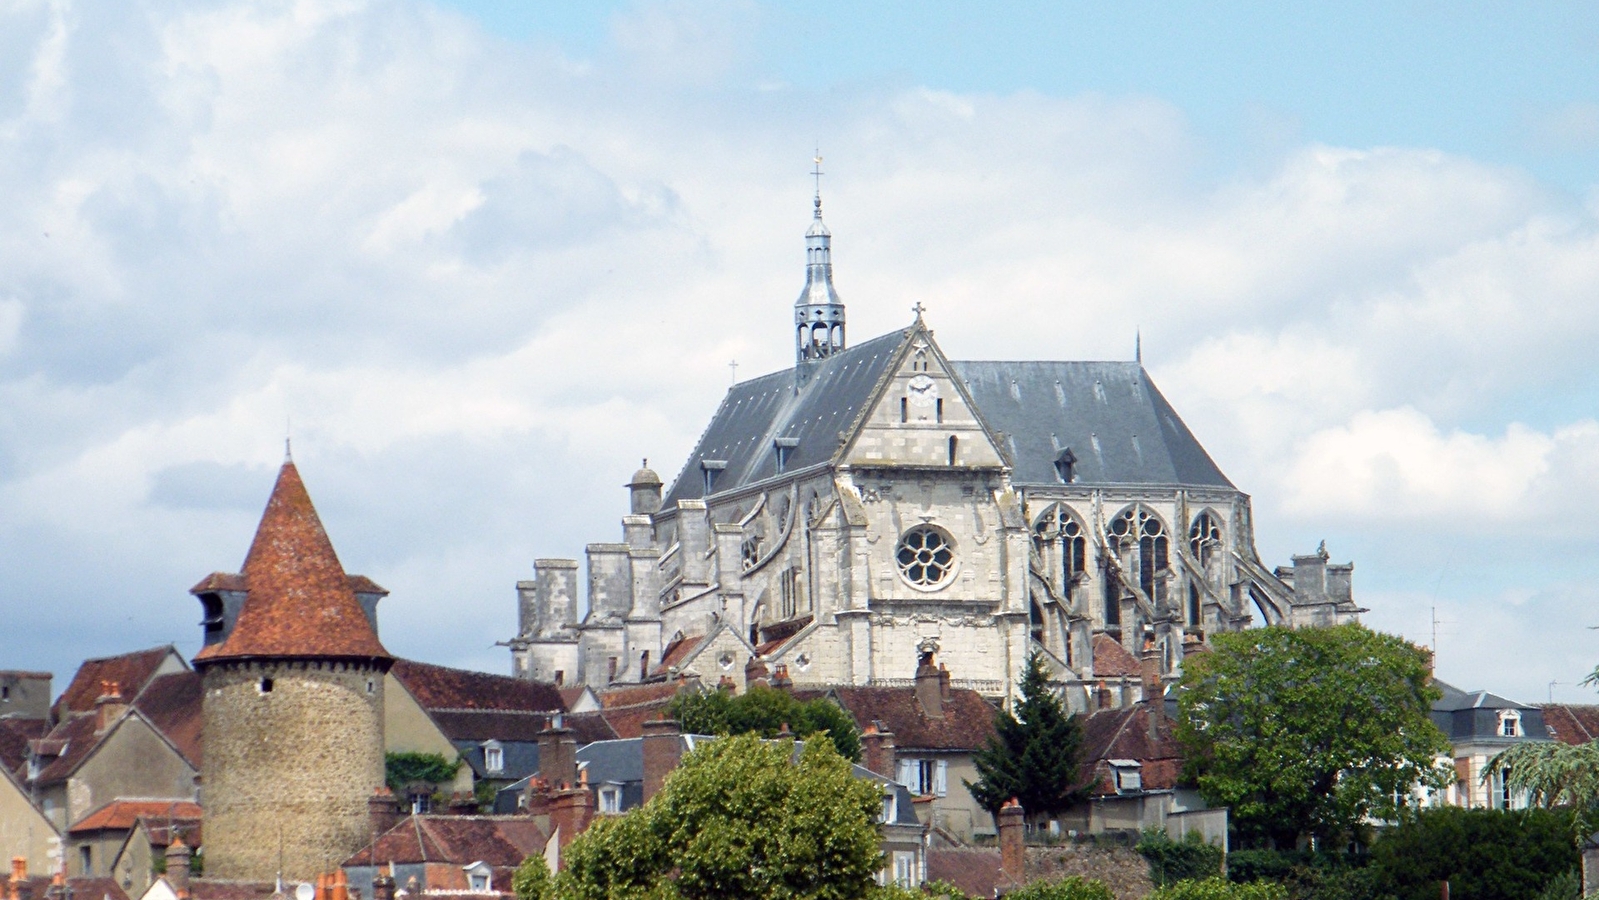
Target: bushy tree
{"type": "Point", "coordinates": [1072, 887]}
{"type": "Point", "coordinates": [1186, 860]}
{"type": "Point", "coordinates": [1304, 733]}
{"type": "Point", "coordinates": [401, 770]}
{"type": "Point", "coordinates": [1219, 888]}
{"type": "Point", "coordinates": [1034, 754]}
{"type": "Point", "coordinates": [1486, 854]}
{"type": "Point", "coordinates": [739, 818]}
{"type": "Point", "coordinates": [764, 711]}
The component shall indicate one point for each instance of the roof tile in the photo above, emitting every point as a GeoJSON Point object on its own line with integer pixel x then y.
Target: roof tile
{"type": "Point", "coordinates": [462, 840]}
{"type": "Point", "coordinates": [440, 687]}
{"type": "Point", "coordinates": [1111, 659]}
{"type": "Point", "coordinates": [129, 670]}
{"type": "Point", "coordinates": [967, 724]}
{"type": "Point", "coordinates": [121, 815]}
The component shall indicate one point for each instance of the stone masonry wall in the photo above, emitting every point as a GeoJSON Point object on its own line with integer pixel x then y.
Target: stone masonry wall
{"type": "Point", "coordinates": [295, 764]}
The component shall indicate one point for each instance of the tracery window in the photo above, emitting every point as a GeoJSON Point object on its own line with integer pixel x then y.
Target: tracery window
{"type": "Point", "coordinates": [1204, 537]}
{"type": "Point", "coordinates": [1062, 544]}
{"type": "Point", "coordinates": [926, 556]}
{"type": "Point", "coordinates": [1141, 532]}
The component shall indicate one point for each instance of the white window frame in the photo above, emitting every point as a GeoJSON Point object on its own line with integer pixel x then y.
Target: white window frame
{"type": "Point", "coordinates": [1509, 723]}
{"type": "Point", "coordinates": [610, 799]}
{"type": "Point", "coordinates": [890, 811]}
{"type": "Point", "coordinates": [905, 869]}
{"type": "Point", "coordinates": [493, 757]}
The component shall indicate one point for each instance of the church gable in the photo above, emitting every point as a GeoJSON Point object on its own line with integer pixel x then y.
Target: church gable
{"type": "Point", "coordinates": [922, 417]}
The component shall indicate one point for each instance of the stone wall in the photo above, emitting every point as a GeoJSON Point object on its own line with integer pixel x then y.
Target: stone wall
{"type": "Point", "coordinates": [1120, 867]}
{"type": "Point", "coordinates": [291, 761]}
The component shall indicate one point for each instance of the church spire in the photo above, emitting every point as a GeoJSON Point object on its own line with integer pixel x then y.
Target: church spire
{"type": "Point", "coordinates": [818, 313]}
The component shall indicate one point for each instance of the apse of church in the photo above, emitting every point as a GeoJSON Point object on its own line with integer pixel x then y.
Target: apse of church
{"type": "Point", "coordinates": [879, 506]}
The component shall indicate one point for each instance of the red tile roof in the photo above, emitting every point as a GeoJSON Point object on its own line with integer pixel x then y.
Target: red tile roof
{"type": "Point", "coordinates": [216, 889]}
{"type": "Point", "coordinates": [974, 870]}
{"type": "Point", "coordinates": [967, 724]}
{"type": "Point", "coordinates": [120, 815]}
{"type": "Point", "coordinates": [300, 603]}
{"type": "Point", "coordinates": [14, 737]}
{"type": "Point", "coordinates": [85, 888]}
{"type": "Point", "coordinates": [1124, 734]}
{"type": "Point", "coordinates": [497, 725]}
{"type": "Point", "coordinates": [1572, 723]}
{"type": "Point", "coordinates": [500, 841]}
{"type": "Point", "coordinates": [130, 671]}
{"type": "Point", "coordinates": [617, 698]}
{"type": "Point", "coordinates": [1111, 659]}
{"type": "Point", "coordinates": [627, 709]}
{"type": "Point", "coordinates": [439, 687]}
{"type": "Point", "coordinates": [172, 703]}
{"type": "Point", "coordinates": [676, 652]}
{"type": "Point", "coordinates": [71, 742]}
{"type": "Point", "coordinates": [160, 829]}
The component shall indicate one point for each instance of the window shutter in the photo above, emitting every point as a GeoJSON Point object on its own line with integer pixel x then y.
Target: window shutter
{"type": "Point", "coordinates": [940, 778]}
{"type": "Point", "coordinates": [907, 774]}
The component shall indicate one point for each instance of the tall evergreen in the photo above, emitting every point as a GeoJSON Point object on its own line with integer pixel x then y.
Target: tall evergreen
{"type": "Point", "coordinates": [1034, 754]}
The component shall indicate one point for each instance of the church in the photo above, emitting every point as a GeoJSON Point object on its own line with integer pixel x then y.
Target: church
{"type": "Point", "coordinates": [879, 509]}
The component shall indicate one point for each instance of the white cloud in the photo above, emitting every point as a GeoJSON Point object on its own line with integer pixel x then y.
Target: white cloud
{"type": "Point", "coordinates": [483, 280]}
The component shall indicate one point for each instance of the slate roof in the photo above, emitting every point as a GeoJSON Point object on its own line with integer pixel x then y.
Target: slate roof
{"type": "Point", "coordinates": [300, 603]}
{"type": "Point", "coordinates": [129, 670]}
{"type": "Point", "coordinates": [1117, 424]}
{"type": "Point", "coordinates": [1571, 723]}
{"type": "Point", "coordinates": [121, 815]}
{"type": "Point", "coordinates": [967, 724]}
{"type": "Point", "coordinates": [501, 725]}
{"type": "Point", "coordinates": [440, 687]}
{"type": "Point", "coordinates": [754, 413]}
{"type": "Point", "coordinates": [172, 703]}
{"type": "Point", "coordinates": [1111, 659]}
{"type": "Point", "coordinates": [72, 741]}
{"type": "Point", "coordinates": [500, 841]}
{"type": "Point", "coordinates": [1124, 734]}
{"type": "Point", "coordinates": [1474, 716]}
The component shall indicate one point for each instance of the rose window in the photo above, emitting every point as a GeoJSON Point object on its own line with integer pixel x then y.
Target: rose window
{"type": "Point", "coordinates": [926, 556]}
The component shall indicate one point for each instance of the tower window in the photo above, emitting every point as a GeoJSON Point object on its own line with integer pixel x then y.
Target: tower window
{"type": "Point", "coordinates": [953, 442]}
{"type": "Point", "coordinates": [939, 406]}
{"type": "Point", "coordinates": [904, 410]}
{"type": "Point", "coordinates": [266, 686]}
{"type": "Point", "coordinates": [371, 686]}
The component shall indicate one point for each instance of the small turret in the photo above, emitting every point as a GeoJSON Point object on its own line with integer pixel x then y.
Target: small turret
{"type": "Point", "coordinates": [645, 490]}
{"type": "Point", "coordinates": [818, 313]}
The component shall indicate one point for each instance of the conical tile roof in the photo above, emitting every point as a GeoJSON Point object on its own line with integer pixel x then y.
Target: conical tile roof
{"type": "Point", "coordinates": [300, 603]}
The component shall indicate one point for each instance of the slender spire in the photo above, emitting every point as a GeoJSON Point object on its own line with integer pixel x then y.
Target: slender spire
{"type": "Point", "coordinates": [818, 313]}
{"type": "Point", "coordinates": [1138, 346]}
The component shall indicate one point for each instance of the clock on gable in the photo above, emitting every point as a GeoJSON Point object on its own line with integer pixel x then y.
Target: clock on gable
{"type": "Point", "coordinates": [922, 391]}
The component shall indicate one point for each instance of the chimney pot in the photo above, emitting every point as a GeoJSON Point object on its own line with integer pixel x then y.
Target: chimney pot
{"type": "Point", "coordinates": [178, 857]}
{"type": "Point", "coordinates": [1012, 844]}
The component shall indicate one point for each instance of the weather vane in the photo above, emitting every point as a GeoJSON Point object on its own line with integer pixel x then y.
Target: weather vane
{"type": "Point", "coordinates": [816, 173]}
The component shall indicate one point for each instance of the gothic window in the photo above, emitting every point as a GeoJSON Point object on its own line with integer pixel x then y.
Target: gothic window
{"type": "Point", "coordinates": [750, 551]}
{"type": "Point", "coordinates": [790, 597]}
{"type": "Point", "coordinates": [1113, 604]}
{"type": "Point", "coordinates": [926, 556]}
{"type": "Point", "coordinates": [1193, 604]}
{"type": "Point", "coordinates": [1036, 613]}
{"type": "Point", "coordinates": [1063, 546]}
{"type": "Point", "coordinates": [1204, 537]}
{"type": "Point", "coordinates": [1141, 532]}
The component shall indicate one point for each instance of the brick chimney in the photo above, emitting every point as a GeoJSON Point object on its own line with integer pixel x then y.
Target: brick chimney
{"type": "Point", "coordinates": [108, 706]}
{"type": "Point", "coordinates": [323, 884]}
{"type": "Point", "coordinates": [727, 684]}
{"type": "Point", "coordinates": [558, 755]}
{"type": "Point", "coordinates": [780, 679]}
{"type": "Point", "coordinates": [877, 750]}
{"type": "Point", "coordinates": [943, 682]}
{"type": "Point", "coordinates": [1012, 844]}
{"type": "Point", "coordinates": [754, 673]}
{"type": "Point", "coordinates": [663, 749]}
{"type": "Point", "coordinates": [571, 810]}
{"type": "Point", "coordinates": [20, 889]}
{"type": "Point", "coordinates": [178, 857]}
{"type": "Point", "coordinates": [1154, 690]}
{"type": "Point", "coordinates": [930, 688]}
{"type": "Point", "coordinates": [1102, 695]}
{"type": "Point", "coordinates": [383, 884]}
{"type": "Point", "coordinates": [383, 809]}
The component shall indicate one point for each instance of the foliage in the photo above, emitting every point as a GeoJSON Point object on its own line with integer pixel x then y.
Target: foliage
{"type": "Point", "coordinates": [1072, 887]}
{"type": "Point", "coordinates": [532, 879]}
{"type": "Point", "coordinates": [1219, 888]}
{"type": "Point", "coordinates": [1304, 733]}
{"type": "Point", "coordinates": [739, 818]}
{"type": "Point", "coordinates": [1554, 774]}
{"type": "Point", "coordinates": [1186, 860]}
{"type": "Point", "coordinates": [1563, 887]}
{"type": "Point", "coordinates": [930, 890]}
{"type": "Point", "coordinates": [1305, 875]}
{"type": "Point", "coordinates": [1034, 754]}
{"type": "Point", "coordinates": [1486, 854]}
{"type": "Point", "coordinates": [764, 711]}
{"type": "Point", "coordinates": [401, 770]}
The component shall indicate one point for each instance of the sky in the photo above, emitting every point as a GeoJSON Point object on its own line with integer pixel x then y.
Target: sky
{"type": "Point", "coordinates": [479, 259]}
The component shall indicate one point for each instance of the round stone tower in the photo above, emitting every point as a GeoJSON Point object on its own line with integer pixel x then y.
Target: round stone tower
{"type": "Point", "coordinates": [293, 708]}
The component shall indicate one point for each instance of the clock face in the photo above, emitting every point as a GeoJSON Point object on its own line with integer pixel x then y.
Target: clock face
{"type": "Point", "coordinates": [922, 391]}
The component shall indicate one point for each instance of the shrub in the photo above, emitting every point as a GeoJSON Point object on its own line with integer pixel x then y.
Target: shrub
{"type": "Point", "coordinates": [1186, 860]}
{"type": "Point", "coordinates": [1486, 854]}
{"type": "Point", "coordinates": [1220, 889]}
{"type": "Point", "coordinates": [1069, 888]}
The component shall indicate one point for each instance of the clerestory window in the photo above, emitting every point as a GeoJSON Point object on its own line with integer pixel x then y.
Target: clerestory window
{"type": "Point", "coordinates": [1140, 533]}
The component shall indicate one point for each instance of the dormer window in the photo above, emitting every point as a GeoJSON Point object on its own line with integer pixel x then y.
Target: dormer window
{"type": "Point", "coordinates": [890, 804]}
{"type": "Point", "coordinates": [1128, 774]}
{"type": "Point", "coordinates": [479, 877]}
{"type": "Point", "coordinates": [783, 447]}
{"type": "Point", "coordinates": [711, 468]}
{"type": "Point", "coordinates": [610, 799]}
{"type": "Point", "coordinates": [493, 757]}
{"type": "Point", "coordinates": [1066, 465]}
{"type": "Point", "coordinates": [1509, 723]}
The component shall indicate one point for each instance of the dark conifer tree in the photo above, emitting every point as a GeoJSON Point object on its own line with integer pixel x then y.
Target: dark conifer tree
{"type": "Point", "coordinates": [1034, 754]}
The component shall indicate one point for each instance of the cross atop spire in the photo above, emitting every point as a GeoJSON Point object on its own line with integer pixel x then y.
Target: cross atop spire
{"type": "Point", "coordinates": [918, 309]}
{"type": "Point", "coordinates": [816, 173]}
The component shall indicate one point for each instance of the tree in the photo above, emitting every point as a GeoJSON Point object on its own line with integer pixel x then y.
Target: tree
{"type": "Point", "coordinates": [1034, 755]}
{"type": "Point", "coordinates": [764, 711]}
{"type": "Point", "coordinates": [1219, 888]}
{"type": "Point", "coordinates": [401, 770]}
{"type": "Point", "coordinates": [741, 817]}
{"type": "Point", "coordinates": [1303, 733]}
{"type": "Point", "coordinates": [1485, 854]}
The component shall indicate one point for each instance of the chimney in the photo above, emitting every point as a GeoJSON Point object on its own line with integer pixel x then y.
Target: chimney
{"type": "Point", "coordinates": [558, 755]}
{"type": "Point", "coordinates": [322, 887]}
{"type": "Point", "coordinates": [663, 749]}
{"type": "Point", "coordinates": [1012, 844]}
{"type": "Point", "coordinates": [780, 679]}
{"type": "Point", "coordinates": [340, 889]}
{"type": "Point", "coordinates": [383, 810]}
{"type": "Point", "coordinates": [754, 673]}
{"type": "Point", "coordinates": [727, 684]}
{"type": "Point", "coordinates": [877, 750]}
{"type": "Point", "coordinates": [1154, 690]}
{"type": "Point", "coordinates": [1102, 695]}
{"type": "Point", "coordinates": [108, 706]}
{"type": "Point", "coordinates": [943, 682]}
{"type": "Point", "coordinates": [178, 857]}
{"type": "Point", "coordinates": [929, 688]}
{"type": "Point", "coordinates": [383, 884]}
{"type": "Point", "coordinates": [20, 889]}
{"type": "Point", "coordinates": [571, 812]}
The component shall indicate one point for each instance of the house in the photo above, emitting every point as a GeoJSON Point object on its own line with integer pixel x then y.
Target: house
{"type": "Point", "coordinates": [134, 863]}
{"type": "Point", "coordinates": [1571, 723]}
{"type": "Point", "coordinates": [97, 843]}
{"type": "Point", "coordinates": [924, 738]}
{"type": "Point", "coordinates": [1480, 725]}
{"type": "Point", "coordinates": [129, 671]}
{"type": "Point", "coordinates": [627, 708]}
{"type": "Point", "coordinates": [26, 833]}
{"type": "Point", "coordinates": [448, 855]}
{"type": "Point", "coordinates": [24, 695]}
{"type": "Point", "coordinates": [19, 885]}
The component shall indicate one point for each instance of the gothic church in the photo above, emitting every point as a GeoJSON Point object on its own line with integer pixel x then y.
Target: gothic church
{"type": "Point", "coordinates": [879, 506]}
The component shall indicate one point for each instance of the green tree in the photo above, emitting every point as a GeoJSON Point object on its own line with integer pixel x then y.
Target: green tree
{"type": "Point", "coordinates": [741, 817]}
{"type": "Point", "coordinates": [1034, 754]}
{"type": "Point", "coordinates": [1072, 887]}
{"type": "Point", "coordinates": [401, 770]}
{"type": "Point", "coordinates": [1219, 888]}
{"type": "Point", "coordinates": [764, 711]}
{"type": "Point", "coordinates": [1172, 861]}
{"type": "Point", "coordinates": [1486, 854]}
{"type": "Point", "coordinates": [1305, 732]}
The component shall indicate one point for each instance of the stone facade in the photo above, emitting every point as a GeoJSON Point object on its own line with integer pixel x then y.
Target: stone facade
{"type": "Point", "coordinates": [294, 750]}
{"type": "Point", "coordinates": [880, 503]}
